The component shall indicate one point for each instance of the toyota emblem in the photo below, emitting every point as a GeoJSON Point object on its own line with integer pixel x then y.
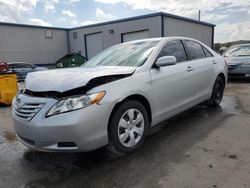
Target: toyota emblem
{"type": "Point", "coordinates": [18, 103]}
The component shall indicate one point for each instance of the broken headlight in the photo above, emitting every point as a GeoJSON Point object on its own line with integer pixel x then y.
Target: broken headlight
{"type": "Point", "coordinates": [75, 103]}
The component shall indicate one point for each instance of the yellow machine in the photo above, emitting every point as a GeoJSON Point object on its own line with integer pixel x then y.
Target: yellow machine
{"type": "Point", "coordinates": [8, 87]}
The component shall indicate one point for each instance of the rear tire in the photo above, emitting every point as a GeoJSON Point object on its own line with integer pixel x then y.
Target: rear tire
{"type": "Point", "coordinates": [217, 94]}
{"type": "Point", "coordinates": [128, 128]}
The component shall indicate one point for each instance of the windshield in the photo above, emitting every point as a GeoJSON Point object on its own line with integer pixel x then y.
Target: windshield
{"type": "Point", "coordinates": [238, 51]}
{"type": "Point", "coordinates": [132, 54]}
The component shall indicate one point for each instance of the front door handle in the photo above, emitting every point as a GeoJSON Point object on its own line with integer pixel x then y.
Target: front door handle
{"type": "Point", "coordinates": [189, 69]}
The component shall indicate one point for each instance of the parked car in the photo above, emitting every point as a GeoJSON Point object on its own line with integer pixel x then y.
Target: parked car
{"type": "Point", "coordinates": [71, 60]}
{"type": "Point", "coordinates": [222, 50]}
{"type": "Point", "coordinates": [238, 59]}
{"type": "Point", "coordinates": [114, 98]}
{"type": "Point", "coordinates": [23, 68]}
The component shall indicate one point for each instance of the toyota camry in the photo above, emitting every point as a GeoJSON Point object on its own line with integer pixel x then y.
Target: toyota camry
{"type": "Point", "coordinates": [117, 96]}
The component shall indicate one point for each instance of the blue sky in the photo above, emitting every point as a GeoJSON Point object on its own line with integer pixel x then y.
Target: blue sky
{"type": "Point", "coordinates": [232, 17]}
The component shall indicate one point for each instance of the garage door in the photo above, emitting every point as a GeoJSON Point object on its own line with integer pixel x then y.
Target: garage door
{"type": "Point", "coordinates": [94, 44]}
{"type": "Point", "coordinates": [134, 36]}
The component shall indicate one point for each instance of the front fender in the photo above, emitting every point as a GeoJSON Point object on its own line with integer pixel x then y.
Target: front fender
{"type": "Point", "coordinates": [117, 91]}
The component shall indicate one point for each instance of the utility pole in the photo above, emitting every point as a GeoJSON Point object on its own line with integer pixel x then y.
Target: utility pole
{"type": "Point", "coordinates": [199, 15]}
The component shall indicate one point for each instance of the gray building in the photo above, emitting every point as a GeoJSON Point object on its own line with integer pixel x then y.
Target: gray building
{"type": "Point", "coordinates": [34, 44]}
{"type": "Point", "coordinates": [44, 45]}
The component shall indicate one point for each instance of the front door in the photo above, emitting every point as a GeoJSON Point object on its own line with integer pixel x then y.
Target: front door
{"type": "Point", "coordinates": [173, 86]}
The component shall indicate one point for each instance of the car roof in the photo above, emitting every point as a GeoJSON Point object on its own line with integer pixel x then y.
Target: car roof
{"type": "Point", "coordinates": [162, 39]}
{"type": "Point", "coordinates": [18, 63]}
{"type": "Point", "coordinates": [144, 40]}
{"type": "Point", "coordinates": [238, 45]}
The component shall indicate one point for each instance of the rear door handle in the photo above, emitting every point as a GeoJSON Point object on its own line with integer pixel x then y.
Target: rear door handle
{"type": "Point", "coordinates": [189, 69]}
{"type": "Point", "coordinates": [214, 62]}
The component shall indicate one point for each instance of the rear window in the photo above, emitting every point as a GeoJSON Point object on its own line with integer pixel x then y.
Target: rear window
{"type": "Point", "coordinates": [24, 65]}
{"type": "Point", "coordinates": [14, 66]}
{"type": "Point", "coordinates": [11, 66]}
{"type": "Point", "coordinates": [195, 50]}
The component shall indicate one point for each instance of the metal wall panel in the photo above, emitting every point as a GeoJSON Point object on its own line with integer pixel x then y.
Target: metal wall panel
{"type": "Point", "coordinates": [126, 37]}
{"type": "Point", "coordinates": [29, 44]}
{"type": "Point", "coordinates": [26, 43]}
{"type": "Point", "coordinates": [94, 44]}
{"type": "Point", "coordinates": [177, 27]}
{"type": "Point", "coordinates": [112, 33]}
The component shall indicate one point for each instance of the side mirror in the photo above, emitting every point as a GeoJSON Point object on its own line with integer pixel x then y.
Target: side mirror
{"type": "Point", "coordinates": [166, 61]}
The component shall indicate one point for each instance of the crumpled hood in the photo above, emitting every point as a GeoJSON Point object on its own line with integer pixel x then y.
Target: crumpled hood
{"type": "Point", "coordinates": [237, 60]}
{"type": "Point", "coordinates": [62, 80]}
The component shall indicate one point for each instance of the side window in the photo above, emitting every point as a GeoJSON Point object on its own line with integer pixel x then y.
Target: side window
{"type": "Point", "coordinates": [11, 66]}
{"type": "Point", "coordinates": [15, 66]}
{"type": "Point", "coordinates": [27, 66]}
{"type": "Point", "coordinates": [195, 50]}
{"type": "Point", "coordinates": [207, 53]}
{"type": "Point", "coordinates": [174, 48]}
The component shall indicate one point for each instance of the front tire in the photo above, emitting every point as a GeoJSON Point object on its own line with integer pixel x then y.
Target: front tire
{"type": "Point", "coordinates": [217, 94]}
{"type": "Point", "coordinates": [128, 128]}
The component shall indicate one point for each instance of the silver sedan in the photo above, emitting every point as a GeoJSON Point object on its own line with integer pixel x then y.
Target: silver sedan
{"type": "Point", "coordinates": [238, 59]}
{"type": "Point", "coordinates": [117, 96]}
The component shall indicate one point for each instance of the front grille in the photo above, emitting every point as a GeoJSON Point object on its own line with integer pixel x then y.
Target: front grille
{"type": "Point", "coordinates": [28, 110]}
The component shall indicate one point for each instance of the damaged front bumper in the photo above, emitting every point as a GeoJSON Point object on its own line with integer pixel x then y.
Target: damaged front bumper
{"type": "Point", "coordinates": [81, 130]}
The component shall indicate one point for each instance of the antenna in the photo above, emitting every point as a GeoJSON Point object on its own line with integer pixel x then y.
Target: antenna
{"type": "Point", "coordinates": [199, 15]}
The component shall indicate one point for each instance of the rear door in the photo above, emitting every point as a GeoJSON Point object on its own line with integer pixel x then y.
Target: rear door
{"type": "Point", "coordinates": [172, 85]}
{"type": "Point", "coordinates": [203, 68]}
